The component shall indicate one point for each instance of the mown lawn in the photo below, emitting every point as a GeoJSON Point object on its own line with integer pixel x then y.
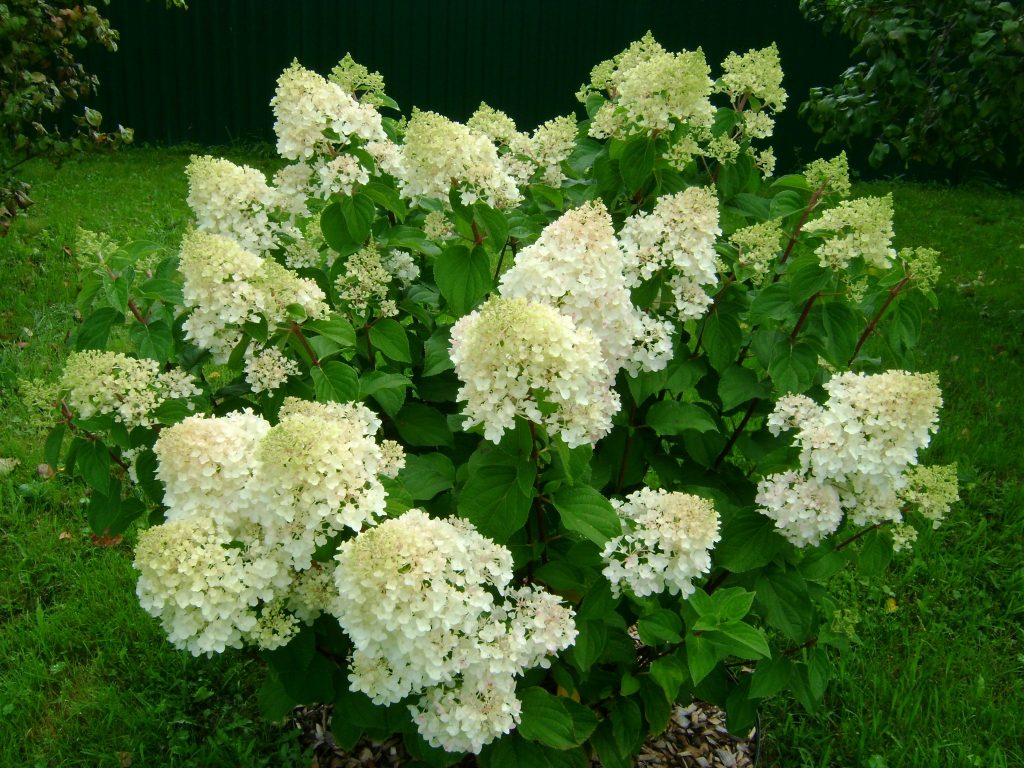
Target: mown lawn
{"type": "Point", "coordinates": [936, 680]}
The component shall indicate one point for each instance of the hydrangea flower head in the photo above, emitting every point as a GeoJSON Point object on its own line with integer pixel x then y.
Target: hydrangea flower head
{"type": "Point", "coordinates": [666, 543]}
{"type": "Point", "coordinates": [522, 358]}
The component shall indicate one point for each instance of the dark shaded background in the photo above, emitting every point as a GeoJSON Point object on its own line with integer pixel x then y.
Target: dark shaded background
{"type": "Point", "coordinates": [206, 75]}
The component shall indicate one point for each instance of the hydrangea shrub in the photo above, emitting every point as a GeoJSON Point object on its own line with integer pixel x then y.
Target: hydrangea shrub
{"type": "Point", "coordinates": [509, 441]}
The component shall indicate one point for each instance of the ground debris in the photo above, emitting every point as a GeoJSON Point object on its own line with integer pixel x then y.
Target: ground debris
{"type": "Point", "coordinates": [696, 737]}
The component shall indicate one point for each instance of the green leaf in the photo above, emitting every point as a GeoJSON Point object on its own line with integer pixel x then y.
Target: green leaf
{"type": "Point", "coordinates": [792, 181]}
{"type": "Point", "coordinates": [584, 510]}
{"type": "Point", "coordinates": [335, 382]}
{"type": "Point", "coordinates": [770, 677]}
{"type": "Point", "coordinates": [93, 459]}
{"type": "Point", "coordinates": [493, 225]}
{"type": "Point", "coordinates": [435, 352]}
{"type": "Point", "coordinates": [153, 341]}
{"type": "Point", "coordinates": [163, 289]}
{"type": "Point", "coordinates": [700, 657]}
{"type": "Point", "coordinates": [773, 303]}
{"type": "Point", "coordinates": [463, 277]}
{"type": "Point", "coordinates": [637, 162]}
{"type": "Point", "coordinates": [671, 417]}
{"type": "Point", "coordinates": [170, 412]}
{"type": "Point", "coordinates": [590, 643]}
{"type": "Point", "coordinates": [785, 603]}
{"type": "Point", "coordinates": [792, 366]}
{"type": "Point", "coordinates": [116, 290]}
{"type": "Point", "coordinates": [838, 327]}
{"type": "Point", "coordinates": [427, 475]}
{"type": "Point", "coordinates": [806, 277]}
{"type": "Point", "coordinates": [546, 720]}
{"type": "Point", "coordinates": [627, 723]}
{"type": "Point", "coordinates": [54, 442]}
{"type": "Point", "coordinates": [875, 554]}
{"type": "Point", "coordinates": [336, 328]}
{"type": "Point", "coordinates": [732, 604]}
{"type": "Point", "coordinates": [722, 338]}
{"type": "Point", "coordinates": [386, 197]}
{"type": "Point", "coordinates": [421, 425]}
{"type": "Point", "coordinates": [739, 385]}
{"type": "Point", "coordinates": [740, 640]}
{"type": "Point", "coordinates": [786, 203]}
{"type": "Point", "coordinates": [93, 333]}
{"type": "Point", "coordinates": [388, 389]}
{"type": "Point", "coordinates": [657, 707]}
{"type": "Point", "coordinates": [110, 515]}
{"type": "Point", "coordinates": [388, 337]}
{"type": "Point", "coordinates": [670, 674]}
{"type": "Point", "coordinates": [753, 206]}
{"type": "Point", "coordinates": [409, 238]}
{"type": "Point", "coordinates": [346, 222]}
{"type": "Point", "coordinates": [492, 498]}
{"type": "Point", "coordinates": [660, 626]}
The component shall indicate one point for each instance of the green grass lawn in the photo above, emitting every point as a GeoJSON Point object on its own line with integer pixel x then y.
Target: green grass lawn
{"type": "Point", "coordinates": [937, 678]}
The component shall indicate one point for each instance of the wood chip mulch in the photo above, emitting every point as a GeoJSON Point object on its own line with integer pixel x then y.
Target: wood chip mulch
{"type": "Point", "coordinates": [696, 738]}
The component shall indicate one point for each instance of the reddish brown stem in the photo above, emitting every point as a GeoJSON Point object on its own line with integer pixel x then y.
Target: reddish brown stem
{"type": "Point", "coordinates": [803, 317]}
{"type": "Point", "coordinates": [478, 237]}
{"type": "Point", "coordinates": [296, 330]}
{"type": "Point", "coordinates": [716, 582]}
{"type": "Point", "coordinates": [65, 412]}
{"type": "Point", "coordinates": [736, 433]}
{"type": "Point", "coordinates": [859, 534]}
{"type": "Point", "coordinates": [135, 311]}
{"type": "Point", "coordinates": [811, 205]}
{"type": "Point", "coordinates": [893, 293]}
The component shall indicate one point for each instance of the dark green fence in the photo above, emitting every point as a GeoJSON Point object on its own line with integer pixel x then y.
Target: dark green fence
{"type": "Point", "coordinates": [206, 75]}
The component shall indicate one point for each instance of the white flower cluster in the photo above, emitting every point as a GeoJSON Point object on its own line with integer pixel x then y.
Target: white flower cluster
{"type": "Point", "coordinates": [430, 610]}
{"type": "Point", "coordinates": [204, 582]}
{"type": "Point", "coordinates": [439, 153]}
{"type": "Point", "coordinates": [130, 389]}
{"type": "Point", "coordinates": [365, 282]}
{"type": "Point", "coordinates": [247, 505]}
{"type": "Point", "coordinates": [314, 115]}
{"type": "Point", "coordinates": [267, 369]}
{"type": "Point", "coordinates": [338, 176]}
{"type": "Point", "coordinates": [931, 491]}
{"type": "Point", "coordinates": [677, 239]}
{"type": "Point", "coordinates": [756, 74]}
{"type": "Point", "coordinates": [856, 228]}
{"type": "Point", "coordinates": [651, 90]}
{"type": "Point", "coordinates": [855, 452]}
{"type": "Point", "coordinates": [576, 267]}
{"type": "Point", "coordinates": [832, 177]}
{"type": "Point", "coordinates": [317, 475]}
{"type": "Point", "coordinates": [232, 200]}
{"type": "Point", "coordinates": [665, 544]}
{"type": "Point", "coordinates": [226, 286]}
{"type": "Point", "coordinates": [758, 246]}
{"type": "Point", "coordinates": [521, 358]}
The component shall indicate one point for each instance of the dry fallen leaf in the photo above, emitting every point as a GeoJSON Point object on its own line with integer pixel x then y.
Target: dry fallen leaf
{"type": "Point", "coordinates": [65, 536]}
{"type": "Point", "coordinates": [106, 541]}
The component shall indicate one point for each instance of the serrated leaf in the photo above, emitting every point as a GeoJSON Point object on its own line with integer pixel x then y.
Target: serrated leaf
{"type": "Point", "coordinates": [546, 720]}
{"type": "Point", "coordinates": [740, 640]}
{"type": "Point", "coordinates": [590, 643]}
{"type": "Point", "coordinates": [670, 674]}
{"type": "Point", "coordinates": [335, 382]}
{"type": "Point", "coordinates": [700, 657]}
{"type": "Point", "coordinates": [739, 385]}
{"type": "Point", "coordinates": [792, 366]}
{"type": "Point", "coordinates": [421, 425]}
{"type": "Point", "coordinates": [660, 626]}
{"type": "Point", "coordinates": [492, 223]}
{"type": "Point", "coordinates": [336, 328]}
{"type": "Point", "coordinates": [637, 162]}
{"type": "Point", "coordinates": [785, 603]}
{"type": "Point", "coordinates": [389, 338]}
{"type": "Point", "coordinates": [425, 476]}
{"type": "Point", "coordinates": [93, 459]}
{"type": "Point", "coordinates": [94, 331]}
{"type": "Point", "coordinates": [722, 338]}
{"type": "Point", "coordinates": [671, 417]}
{"type": "Point", "coordinates": [153, 340]}
{"type": "Point", "coordinates": [463, 276]}
{"type": "Point", "coordinates": [770, 677]}
{"type": "Point", "coordinates": [584, 510]}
